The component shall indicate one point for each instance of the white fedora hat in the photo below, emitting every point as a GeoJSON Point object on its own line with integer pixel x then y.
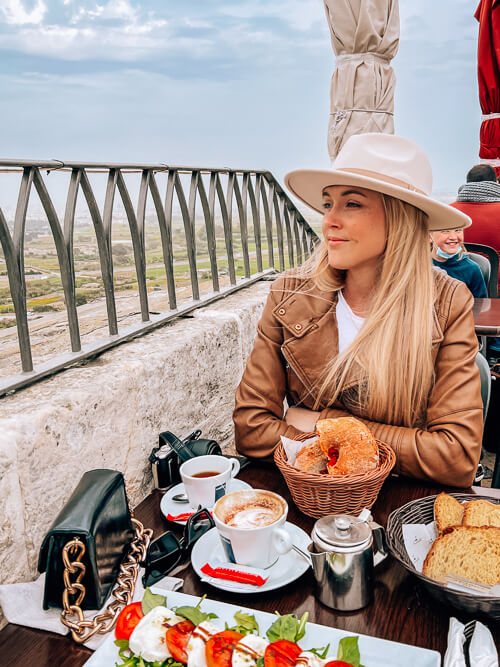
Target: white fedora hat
{"type": "Point", "coordinates": [391, 165]}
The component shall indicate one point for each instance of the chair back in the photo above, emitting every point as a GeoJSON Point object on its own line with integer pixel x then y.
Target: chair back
{"type": "Point", "coordinates": [478, 252]}
{"type": "Point", "coordinates": [485, 375]}
{"type": "Point", "coordinates": [485, 266]}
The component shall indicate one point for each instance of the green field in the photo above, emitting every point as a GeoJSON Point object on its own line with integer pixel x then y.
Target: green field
{"type": "Point", "coordinates": [44, 291]}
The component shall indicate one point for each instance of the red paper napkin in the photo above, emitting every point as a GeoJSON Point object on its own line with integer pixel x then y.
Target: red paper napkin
{"type": "Point", "coordinates": [181, 517]}
{"type": "Point", "coordinates": [233, 575]}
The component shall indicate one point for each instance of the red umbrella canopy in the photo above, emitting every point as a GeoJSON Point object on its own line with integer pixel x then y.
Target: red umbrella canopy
{"type": "Point", "coordinates": [488, 72]}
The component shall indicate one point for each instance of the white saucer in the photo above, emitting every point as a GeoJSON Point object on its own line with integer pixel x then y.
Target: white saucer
{"type": "Point", "coordinates": [287, 568]}
{"type": "Point", "coordinates": [168, 506]}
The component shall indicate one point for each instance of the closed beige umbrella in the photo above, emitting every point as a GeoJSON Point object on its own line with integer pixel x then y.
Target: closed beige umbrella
{"type": "Point", "coordinates": [365, 38]}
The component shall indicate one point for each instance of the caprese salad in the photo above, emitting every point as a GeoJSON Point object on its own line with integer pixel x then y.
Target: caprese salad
{"type": "Point", "coordinates": [149, 634]}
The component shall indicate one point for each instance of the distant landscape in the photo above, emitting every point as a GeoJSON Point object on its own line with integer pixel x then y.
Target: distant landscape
{"type": "Point", "coordinates": [44, 292]}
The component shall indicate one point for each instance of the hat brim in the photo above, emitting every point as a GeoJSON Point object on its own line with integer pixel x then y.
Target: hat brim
{"type": "Point", "coordinates": [308, 185]}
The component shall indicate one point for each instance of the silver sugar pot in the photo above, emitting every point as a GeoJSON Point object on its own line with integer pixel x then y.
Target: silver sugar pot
{"type": "Point", "coordinates": [343, 558]}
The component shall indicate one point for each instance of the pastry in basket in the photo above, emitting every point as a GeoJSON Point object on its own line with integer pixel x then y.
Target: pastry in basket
{"type": "Point", "coordinates": [448, 512]}
{"type": "Point", "coordinates": [469, 552]}
{"type": "Point", "coordinates": [349, 446]}
{"type": "Point", "coordinates": [311, 458]}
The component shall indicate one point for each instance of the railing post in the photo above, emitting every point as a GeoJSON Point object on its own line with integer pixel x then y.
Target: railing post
{"type": "Point", "coordinates": [250, 190]}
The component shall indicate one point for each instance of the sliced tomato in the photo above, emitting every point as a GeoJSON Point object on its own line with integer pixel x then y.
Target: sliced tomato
{"type": "Point", "coordinates": [128, 619]}
{"type": "Point", "coordinates": [338, 663]}
{"type": "Point", "coordinates": [177, 639]}
{"type": "Point", "coordinates": [282, 653]}
{"type": "Point", "coordinates": [219, 648]}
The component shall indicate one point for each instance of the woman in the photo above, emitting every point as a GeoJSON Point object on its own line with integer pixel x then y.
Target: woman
{"type": "Point", "coordinates": [367, 327]}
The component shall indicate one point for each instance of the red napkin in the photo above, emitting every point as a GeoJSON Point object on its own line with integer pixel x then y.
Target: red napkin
{"type": "Point", "coordinates": [180, 517]}
{"type": "Point", "coordinates": [233, 575]}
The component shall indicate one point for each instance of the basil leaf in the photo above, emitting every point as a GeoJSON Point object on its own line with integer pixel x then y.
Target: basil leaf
{"type": "Point", "coordinates": [260, 662]}
{"type": "Point", "coordinates": [320, 652]}
{"type": "Point", "coordinates": [348, 651]}
{"type": "Point", "coordinates": [193, 614]}
{"type": "Point", "coordinates": [245, 624]}
{"type": "Point", "coordinates": [150, 601]}
{"type": "Point", "coordinates": [288, 627]}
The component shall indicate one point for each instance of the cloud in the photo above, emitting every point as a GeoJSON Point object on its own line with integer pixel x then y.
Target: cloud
{"type": "Point", "coordinates": [15, 12]}
{"type": "Point", "coordinates": [299, 15]}
{"type": "Point", "coordinates": [113, 9]}
{"type": "Point", "coordinates": [129, 31]}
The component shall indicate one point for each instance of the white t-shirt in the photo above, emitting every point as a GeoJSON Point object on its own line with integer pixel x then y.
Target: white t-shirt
{"type": "Point", "coordinates": [348, 323]}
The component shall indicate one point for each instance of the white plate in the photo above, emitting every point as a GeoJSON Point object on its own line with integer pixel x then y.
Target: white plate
{"type": "Point", "coordinates": [374, 652]}
{"type": "Point", "coordinates": [286, 569]}
{"type": "Point", "coordinates": [168, 506]}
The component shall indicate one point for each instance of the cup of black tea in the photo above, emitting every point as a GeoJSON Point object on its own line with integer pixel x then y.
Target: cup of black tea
{"type": "Point", "coordinates": [206, 478]}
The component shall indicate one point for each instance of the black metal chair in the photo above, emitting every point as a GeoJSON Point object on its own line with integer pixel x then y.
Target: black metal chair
{"type": "Point", "coordinates": [485, 250]}
{"type": "Point", "coordinates": [485, 376]}
{"type": "Point", "coordinates": [485, 266]}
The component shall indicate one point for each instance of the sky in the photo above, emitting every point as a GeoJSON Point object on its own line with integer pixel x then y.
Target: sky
{"type": "Point", "coordinates": [220, 83]}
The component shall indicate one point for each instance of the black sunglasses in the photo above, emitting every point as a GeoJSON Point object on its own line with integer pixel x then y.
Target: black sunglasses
{"type": "Point", "coordinates": [166, 551]}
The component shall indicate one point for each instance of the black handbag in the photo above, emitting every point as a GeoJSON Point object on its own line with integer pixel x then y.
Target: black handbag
{"type": "Point", "coordinates": [83, 553]}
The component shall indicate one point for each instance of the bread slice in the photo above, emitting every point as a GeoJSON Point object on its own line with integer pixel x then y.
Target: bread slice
{"type": "Point", "coordinates": [311, 458]}
{"type": "Point", "coordinates": [482, 513]}
{"type": "Point", "coordinates": [466, 551]}
{"type": "Point", "coordinates": [349, 445]}
{"type": "Point", "coordinates": [447, 512]}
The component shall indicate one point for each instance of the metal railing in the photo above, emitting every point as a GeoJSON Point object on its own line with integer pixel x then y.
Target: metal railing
{"type": "Point", "coordinates": [267, 221]}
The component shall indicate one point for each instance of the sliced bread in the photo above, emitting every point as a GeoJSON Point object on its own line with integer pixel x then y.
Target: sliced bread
{"type": "Point", "coordinates": [448, 512]}
{"type": "Point", "coordinates": [466, 551]}
{"type": "Point", "coordinates": [481, 513]}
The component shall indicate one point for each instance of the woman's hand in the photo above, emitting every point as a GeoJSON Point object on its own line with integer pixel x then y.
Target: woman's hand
{"type": "Point", "coordinates": [302, 418]}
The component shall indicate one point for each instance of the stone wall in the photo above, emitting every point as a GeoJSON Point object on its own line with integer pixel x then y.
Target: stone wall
{"type": "Point", "coordinates": [108, 413]}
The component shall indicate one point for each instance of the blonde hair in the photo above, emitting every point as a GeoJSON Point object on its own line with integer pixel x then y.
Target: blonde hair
{"type": "Point", "coordinates": [392, 354]}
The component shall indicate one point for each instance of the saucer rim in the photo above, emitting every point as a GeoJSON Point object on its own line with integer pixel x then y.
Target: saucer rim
{"type": "Point", "coordinates": [234, 587]}
{"type": "Point", "coordinates": [177, 487]}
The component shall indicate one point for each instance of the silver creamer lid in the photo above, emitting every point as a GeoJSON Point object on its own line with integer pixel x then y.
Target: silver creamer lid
{"type": "Point", "coordinates": [341, 530]}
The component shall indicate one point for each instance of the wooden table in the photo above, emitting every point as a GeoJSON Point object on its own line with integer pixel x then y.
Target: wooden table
{"type": "Point", "coordinates": [487, 317]}
{"type": "Point", "coordinates": [401, 610]}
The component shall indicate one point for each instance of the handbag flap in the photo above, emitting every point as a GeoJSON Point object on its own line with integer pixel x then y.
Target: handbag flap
{"type": "Point", "coordinates": [97, 512]}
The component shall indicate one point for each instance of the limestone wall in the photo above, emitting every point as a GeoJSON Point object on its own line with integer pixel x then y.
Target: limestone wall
{"type": "Point", "coordinates": [108, 414]}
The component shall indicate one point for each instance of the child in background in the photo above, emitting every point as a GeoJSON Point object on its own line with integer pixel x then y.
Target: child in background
{"type": "Point", "coordinates": [448, 253]}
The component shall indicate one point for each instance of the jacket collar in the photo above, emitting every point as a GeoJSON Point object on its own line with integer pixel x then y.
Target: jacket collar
{"type": "Point", "coordinates": [300, 310]}
{"type": "Point", "coordinates": [299, 315]}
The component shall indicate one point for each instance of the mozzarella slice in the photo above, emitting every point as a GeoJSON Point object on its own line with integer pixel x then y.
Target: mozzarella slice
{"type": "Point", "coordinates": [247, 650]}
{"type": "Point", "coordinates": [196, 644]}
{"type": "Point", "coordinates": [148, 637]}
{"type": "Point", "coordinates": [308, 659]}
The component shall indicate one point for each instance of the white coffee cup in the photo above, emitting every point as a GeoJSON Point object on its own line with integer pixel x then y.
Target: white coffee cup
{"type": "Point", "coordinates": [250, 525]}
{"type": "Point", "coordinates": [205, 478]}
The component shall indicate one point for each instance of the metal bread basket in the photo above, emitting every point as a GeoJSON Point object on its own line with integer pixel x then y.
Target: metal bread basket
{"type": "Point", "coordinates": [422, 511]}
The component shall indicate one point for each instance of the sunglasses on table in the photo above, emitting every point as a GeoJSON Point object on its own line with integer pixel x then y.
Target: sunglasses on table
{"type": "Point", "coordinates": [166, 551]}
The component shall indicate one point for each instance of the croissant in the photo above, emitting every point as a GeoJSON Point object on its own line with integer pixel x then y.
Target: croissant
{"type": "Point", "coordinates": [349, 446]}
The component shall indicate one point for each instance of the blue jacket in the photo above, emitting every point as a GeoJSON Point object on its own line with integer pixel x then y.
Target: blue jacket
{"type": "Point", "coordinates": [467, 271]}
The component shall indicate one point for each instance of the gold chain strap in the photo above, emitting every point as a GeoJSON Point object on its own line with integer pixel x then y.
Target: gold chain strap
{"type": "Point", "coordinates": [82, 630]}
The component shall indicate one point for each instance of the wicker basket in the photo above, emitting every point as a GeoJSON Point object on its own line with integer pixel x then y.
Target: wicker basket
{"type": "Point", "coordinates": [318, 495]}
{"type": "Point", "coordinates": [422, 511]}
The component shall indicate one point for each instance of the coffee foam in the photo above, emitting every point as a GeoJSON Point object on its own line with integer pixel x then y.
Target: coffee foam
{"type": "Point", "coordinates": [253, 517]}
{"type": "Point", "coordinates": [249, 509]}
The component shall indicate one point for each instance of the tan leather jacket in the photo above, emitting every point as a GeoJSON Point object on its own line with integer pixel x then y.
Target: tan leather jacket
{"type": "Point", "coordinates": [298, 332]}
